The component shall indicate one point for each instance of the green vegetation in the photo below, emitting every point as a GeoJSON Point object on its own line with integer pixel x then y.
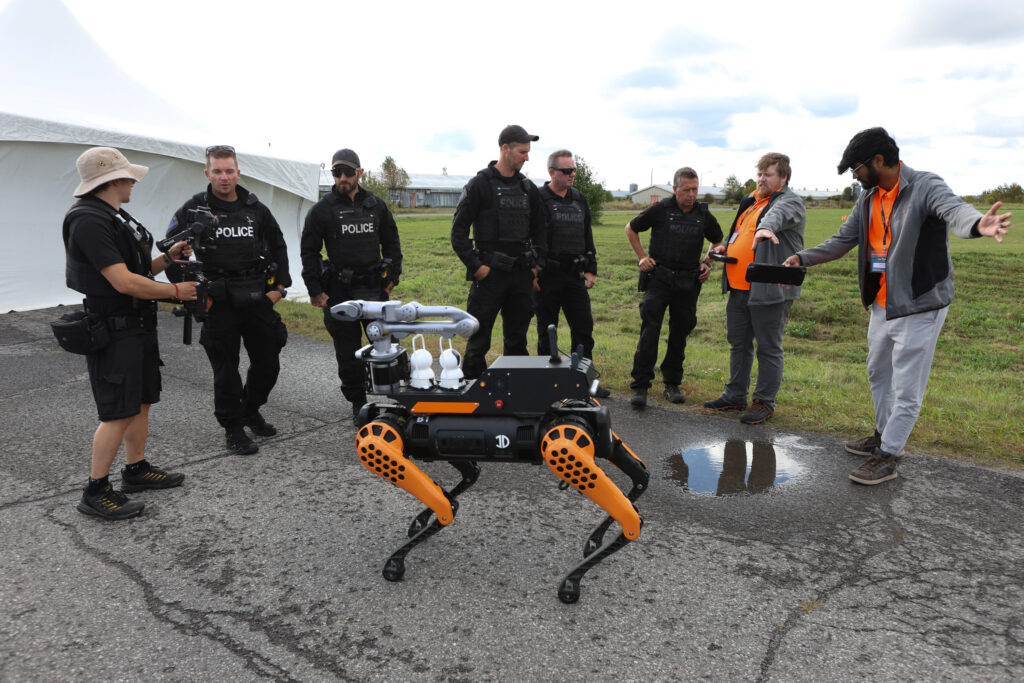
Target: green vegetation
{"type": "Point", "coordinates": [590, 187]}
{"type": "Point", "coordinates": [973, 408]}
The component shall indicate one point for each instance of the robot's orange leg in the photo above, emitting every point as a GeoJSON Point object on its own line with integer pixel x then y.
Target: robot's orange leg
{"type": "Point", "coordinates": [380, 448]}
{"type": "Point", "coordinates": [380, 445]}
{"type": "Point", "coordinates": [623, 457]}
{"type": "Point", "coordinates": [568, 449]}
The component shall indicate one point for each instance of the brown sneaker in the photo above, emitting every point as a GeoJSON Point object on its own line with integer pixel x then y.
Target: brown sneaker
{"type": "Point", "coordinates": [867, 445]}
{"type": "Point", "coordinates": [723, 404]}
{"type": "Point", "coordinates": [759, 412]}
{"type": "Point", "coordinates": [878, 468]}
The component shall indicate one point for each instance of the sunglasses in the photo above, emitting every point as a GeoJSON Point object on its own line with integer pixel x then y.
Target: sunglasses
{"type": "Point", "coordinates": [339, 171]}
{"type": "Point", "coordinates": [566, 171]}
{"type": "Point", "coordinates": [219, 148]}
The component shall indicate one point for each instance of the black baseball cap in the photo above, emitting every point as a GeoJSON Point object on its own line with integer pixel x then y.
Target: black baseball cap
{"type": "Point", "coordinates": [346, 157]}
{"type": "Point", "coordinates": [515, 133]}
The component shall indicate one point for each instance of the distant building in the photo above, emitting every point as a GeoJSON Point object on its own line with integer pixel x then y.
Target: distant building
{"type": "Point", "coordinates": [655, 193]}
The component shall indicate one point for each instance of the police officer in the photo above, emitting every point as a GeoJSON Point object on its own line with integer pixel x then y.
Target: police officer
{"type": "Point", "coordinates": [670, 278]}
{"type": "Point", "coordinates": [364, 261]}
{"type": "Point", "coordinates": [507, 248]}
{"type": "Point", "coordinates": [244, 255]}
{"type": "Point", "coordinates": [571, 260]}
{"type": "Point", "coordinates": [108, 260]}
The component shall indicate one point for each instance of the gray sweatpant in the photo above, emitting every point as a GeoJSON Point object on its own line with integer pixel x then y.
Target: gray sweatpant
{"type": "Point", "coordinates": [900, 353]}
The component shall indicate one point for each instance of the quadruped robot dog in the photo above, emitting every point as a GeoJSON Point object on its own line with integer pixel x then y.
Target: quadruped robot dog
{"type": "Point", "coordinates": [522, 409]}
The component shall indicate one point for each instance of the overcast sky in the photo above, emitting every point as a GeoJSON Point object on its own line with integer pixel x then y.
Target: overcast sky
{"type": "Point", "coordinates": [638, 88]}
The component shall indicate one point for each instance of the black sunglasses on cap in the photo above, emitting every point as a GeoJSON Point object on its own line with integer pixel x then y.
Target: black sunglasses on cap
{"type": "Point", "coordinates": [566, 171]}
{"type": "Point", "coordinates": [219, 148]}
{"type": "Point", "coordinates": [339, 171]}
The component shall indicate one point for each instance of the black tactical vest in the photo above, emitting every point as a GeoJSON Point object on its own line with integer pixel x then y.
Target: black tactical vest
{"type": "Point", "coordinates": [133, 240]}
{"type": "Point", "coordinates": [354, 240]}
{"type": "Point", "coordinates": [508, 217]}
{"type": "Point", "coordinates": [679, 241]}
{"type": "Point", "coordinates": [234, 246]}
{"type": "Point", "coordinates": [568, 235]}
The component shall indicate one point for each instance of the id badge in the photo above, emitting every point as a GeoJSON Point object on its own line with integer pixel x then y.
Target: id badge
{"type": "Point", "coordinates": [878, 263]}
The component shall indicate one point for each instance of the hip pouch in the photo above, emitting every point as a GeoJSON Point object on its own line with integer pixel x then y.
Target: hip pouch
{"type": "Point", "coordinates": [80, 332]}
{"type": "Point", "coordinates": [245, 293]}
{"type": "Point", "coordinates": [502, 261]}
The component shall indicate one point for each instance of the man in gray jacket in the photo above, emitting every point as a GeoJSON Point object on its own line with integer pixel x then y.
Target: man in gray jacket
{"type": "Point", "coordinates": [900, 226]}
{"type": "Point", "coordinates": [768, 228]}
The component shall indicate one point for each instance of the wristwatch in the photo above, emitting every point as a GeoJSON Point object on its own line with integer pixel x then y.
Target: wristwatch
{"type": "Point", "coordinates": [282, 292]}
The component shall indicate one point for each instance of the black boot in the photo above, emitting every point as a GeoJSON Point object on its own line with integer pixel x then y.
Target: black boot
{"type": "Point", "coordinates": [239, 443]}
{"type": "Point", "coordinates": [259, 426]}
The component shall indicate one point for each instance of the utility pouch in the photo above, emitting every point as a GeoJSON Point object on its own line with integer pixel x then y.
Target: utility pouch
{"type": "Point", "coordinates": [643, 282]}
{"type": "Point", "coordinates": [80, 332]}
{"type": "Point", "coordinates": [245, 293]}
{"type": "Point", "coordinates": [502, 261]}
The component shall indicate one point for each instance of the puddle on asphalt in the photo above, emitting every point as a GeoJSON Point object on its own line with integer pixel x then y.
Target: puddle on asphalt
{"type": "Point", "coordinates": [734, 467]}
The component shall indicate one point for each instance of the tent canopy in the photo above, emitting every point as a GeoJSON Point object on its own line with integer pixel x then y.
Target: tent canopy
{"type": "Point", "coordinates": [60, 93]}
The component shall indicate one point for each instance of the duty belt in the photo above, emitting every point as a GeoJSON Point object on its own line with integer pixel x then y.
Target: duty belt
{"type": "Point", "coordinates": [124, 322]}
{"type": "Point", "coordinates": [496, 259]}
{"type": "Point", "coordinates": [565, 263]}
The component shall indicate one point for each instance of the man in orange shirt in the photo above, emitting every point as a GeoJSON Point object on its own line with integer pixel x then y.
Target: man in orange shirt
{"type": "Point", "coordinates": [900, 226]}
{"type": "Point", "coordinates": [768, 228]}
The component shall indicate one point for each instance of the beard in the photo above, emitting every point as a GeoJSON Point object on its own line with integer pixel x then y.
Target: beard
{"type": "Point", "coordinates": [870, 180]}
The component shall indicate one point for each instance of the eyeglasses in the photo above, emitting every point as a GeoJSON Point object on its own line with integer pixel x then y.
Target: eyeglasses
{"type": "Point", "coordinates": [219, 148]}
{"type": "Point", "coordinates": [566, 171]}
{"type": "Point", "coordinates": [339, 171]}
{"type": "Point", "coordinates": [858, 167]}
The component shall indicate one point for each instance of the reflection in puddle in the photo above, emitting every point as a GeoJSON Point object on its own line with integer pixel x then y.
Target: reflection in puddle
{"type": "Point", "coordinates": [734, 467]}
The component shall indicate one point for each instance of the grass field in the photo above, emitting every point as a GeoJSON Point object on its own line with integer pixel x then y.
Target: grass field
{"type": "Point", "coordinates": [971, 410]}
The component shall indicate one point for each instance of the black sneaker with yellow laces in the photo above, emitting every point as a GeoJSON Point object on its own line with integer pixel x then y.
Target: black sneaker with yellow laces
{"type": "Point", "coordinates": [141, 475]}
{"type": "Point", "coordinates": [109, 504]}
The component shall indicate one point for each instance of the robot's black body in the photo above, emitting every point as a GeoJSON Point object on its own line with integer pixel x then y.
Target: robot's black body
{"type": "Point", "coordinates": [526, 409]}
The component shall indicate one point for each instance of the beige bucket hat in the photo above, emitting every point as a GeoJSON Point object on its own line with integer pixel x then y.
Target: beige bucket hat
{"type": "Point", "coordinates": [99, 165]}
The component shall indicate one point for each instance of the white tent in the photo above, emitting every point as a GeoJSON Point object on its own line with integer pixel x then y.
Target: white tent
{"type": "Point", "coordinates": [60, 94]}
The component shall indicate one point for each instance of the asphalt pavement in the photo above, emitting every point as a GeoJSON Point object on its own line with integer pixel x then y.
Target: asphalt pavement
{"type": "Point", "coordinates": [268, 567]}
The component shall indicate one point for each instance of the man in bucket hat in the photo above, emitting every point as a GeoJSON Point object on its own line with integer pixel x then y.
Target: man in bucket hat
{"type": "Point", "coordinates": [108, 260]}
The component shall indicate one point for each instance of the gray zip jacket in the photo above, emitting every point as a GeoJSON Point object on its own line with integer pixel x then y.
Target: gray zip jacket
{"type": "Point", "coordinates": [786, 216]}
{"type": "Point", "coordinates": [918, 269]}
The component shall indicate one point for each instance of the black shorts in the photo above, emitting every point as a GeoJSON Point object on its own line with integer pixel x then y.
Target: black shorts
{"type": "Point", "coordinates": [125, 375]}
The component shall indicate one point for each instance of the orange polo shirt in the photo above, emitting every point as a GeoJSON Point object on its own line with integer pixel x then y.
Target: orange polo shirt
{"type": "Point", "coordinates": [880, 230]}
{"type": "Point", "coordinates": [739, 248]}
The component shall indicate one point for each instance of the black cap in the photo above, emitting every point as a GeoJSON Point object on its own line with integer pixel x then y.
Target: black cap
{"type": "Point", "coordinates": [515, 134]}
{"type": "Point", "coordinates": [345, 157]}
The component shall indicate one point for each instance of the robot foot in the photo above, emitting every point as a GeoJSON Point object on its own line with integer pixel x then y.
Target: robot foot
{"type": "Point", "coordinates": [394, 568]}
{"type": "Point", "coordinates": [569, 590]}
